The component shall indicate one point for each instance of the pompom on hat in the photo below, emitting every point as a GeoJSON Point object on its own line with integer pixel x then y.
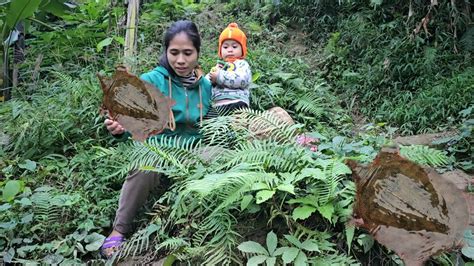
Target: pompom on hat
{"type": "Point", "coordinates": [232, 32]}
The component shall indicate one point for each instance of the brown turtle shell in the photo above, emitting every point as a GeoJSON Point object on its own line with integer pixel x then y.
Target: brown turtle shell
{"type": "Point", "coordinates": [407, 208]}
{"type": "Point", "coordinates": [137, 105]}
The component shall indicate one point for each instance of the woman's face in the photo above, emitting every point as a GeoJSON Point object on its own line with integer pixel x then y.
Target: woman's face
{"type": "Point", "coordinates": [182, 55]}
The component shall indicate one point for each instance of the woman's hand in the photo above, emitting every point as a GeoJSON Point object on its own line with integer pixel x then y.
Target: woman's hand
{"type": "Point", "coordinates": [113, 127]}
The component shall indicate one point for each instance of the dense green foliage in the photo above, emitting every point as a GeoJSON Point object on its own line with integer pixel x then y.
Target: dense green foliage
{"type": "Point", "coordinates": [261, 200]}
{"type": "Point", "coordinates": [384, 62]}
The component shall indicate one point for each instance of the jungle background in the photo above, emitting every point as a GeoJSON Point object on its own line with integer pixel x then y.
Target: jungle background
{"type": "Point", "coordinates": [353, 74]}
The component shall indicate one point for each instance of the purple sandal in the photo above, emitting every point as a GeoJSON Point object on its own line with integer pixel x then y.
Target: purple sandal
{"type": "Point", "coordinates": [113, 243]}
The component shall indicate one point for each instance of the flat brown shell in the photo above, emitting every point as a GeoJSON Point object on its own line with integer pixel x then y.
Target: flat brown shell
{"type": "Point", "coordinates": [137, 105]}
{"type": "Point", "coordinates": [407, 208]}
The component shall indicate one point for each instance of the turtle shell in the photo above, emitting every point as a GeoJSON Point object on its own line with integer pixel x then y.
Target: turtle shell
{"type": "Point", "coordinates": [407, 208]}
{"type": "Point", "coordinates": [137, 105]}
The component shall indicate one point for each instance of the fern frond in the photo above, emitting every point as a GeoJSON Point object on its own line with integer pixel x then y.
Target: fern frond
{"type": "Point", "coordinates": [117, 157]}
{"type": "Point", "coordinates": [172, 244]}
{"type": "Point", "coordinates": [66, 81]}
{"type": "Point", "coordinates": [174, 156]}
{"type": "Point", "coordinates": [221, 255]}
{"type": "Point", "coordinates": [217, 235]}
{"type": "Point", "coordinates": [214, 227]}
{"type": "Point", "coordinates": [139, 242]}
{"type": "Point", "coordinates": [326, 187]}
{"type": "Point", "coordinates": [333, 259]}
{"type": "Point", "coordinates": [226, 189]}
{"type": "Point", "coordinates": [310, 103]}
{"type": "Point", "coordinates": [268, 154]}
{"type": "Point", "coordinates": [45, 211]}
{"type": "Point", "coordinates": [425, 155]}
{"type": "Point", "coordinates": [322, 238]}
{"type": "Point", "coordinates": [264, 124]}
{"type": "Point", "coordinates": [218, 131]}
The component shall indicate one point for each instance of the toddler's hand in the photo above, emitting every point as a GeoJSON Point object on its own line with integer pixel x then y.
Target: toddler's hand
{"type": "Point", "coordinates": [213, 75]}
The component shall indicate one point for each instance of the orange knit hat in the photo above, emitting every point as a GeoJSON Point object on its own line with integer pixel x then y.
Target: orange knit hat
{"type": "Point", "coordinates": [232, 32]}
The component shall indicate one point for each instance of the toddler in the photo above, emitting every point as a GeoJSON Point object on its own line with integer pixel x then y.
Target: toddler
{"type": "Point", "coordinates": [232, 76]}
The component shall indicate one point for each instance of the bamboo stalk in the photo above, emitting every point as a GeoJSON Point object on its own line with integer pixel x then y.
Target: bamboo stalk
{"type": "Point", "coordinates": [131, 31]}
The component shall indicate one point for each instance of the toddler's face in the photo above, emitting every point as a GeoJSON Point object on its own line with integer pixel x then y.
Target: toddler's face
{"type": "Point", "coordinates": [231, 48]}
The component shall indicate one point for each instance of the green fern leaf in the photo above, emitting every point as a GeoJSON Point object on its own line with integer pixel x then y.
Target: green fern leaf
{"type": "Point", "coordinates": [425, 155]}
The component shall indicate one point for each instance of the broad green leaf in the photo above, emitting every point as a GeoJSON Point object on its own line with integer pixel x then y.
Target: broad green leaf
{"type": "Point", "coordinates": [290, 254]}
{"type": "Point", "coordinates": [468, 252]}
{"type": "Point", "coordinates": [27, 218]}
{"type": "Point", "coordinates": [280, 251]}
{"type": "Point", "coordinates": [301, 259]}
{"type": "Point", "coordinates": [303, 212]}
{"type": "Point", "coordinates": [55, 7]}
{"type": "Point", "coordinates": [5, 206]}
{"type": "Point", "coordinates": [120, 40]}
{"type": "Point", "coordinates": [288, 177]}
{"type": "Point", "coordinates": [293, 240]}
{"type": "Point", "coordinates": [8, 225]}
{"type": "Point", "coordinates": [366, 241]}
{"type": "Point", "coordinates": [326, 211]}
{"type": "Point", "coordinates": [264, 195]}
{"type": "Point", "coordinates": [65, 249]}
{"type": "Point", "coordinates": [259, 186]}
{"type": "Point", "coordinates": [252, 247]}
{"type": "Point", "coordinates": [152, 228]}
{"type": "Point", "coordinates": [94, 241]}
{"type": "Point", "coordinates": [270, 261]}
{"type": "Point", "coordinates": [24, 250]}
{"type": "Point", "coordinates": [315, 173]}
{"type": "Point", "coordinates": [469, 238]}
{"type": "Point", "coordinates": [349, 236]}
{"type": "Point", "coordinates": [256, 260]}
{"type": "Point", "coordinates": [338, 141]}
{"type": "Point", "coordinates": [245, 202]}
{"type": "Point", "coordinates": [28, 165]}
{"type": "Point", "coordinates": [169, 260]}
{"type": "Point", "coordinates": [256, 76]}
{"type": "Point", "coordinates": [11, 189]}
{"type": "Point", "coordinates": [44, 189]}
{"type": "Point", "coordinates": [8, 256]}
{"type": "Point", "coordinates": [308, 200]}
{"type": "Point", "coordinates": [25, 202]}
{"type": "Point", "coordinates": [53, 259]}
{"type": "Point", "coordinates": [272, 242]}
{"type": "Point", "coordinates": [310, 245]}
{"type": "Point", "coordinates": [19, 10]}
{"type": "Point", "coordinates": [376, 3]}
{"type": "Point", "coordinates": [103, 43]}
{"type": "Point", "coordinates": [287, 188]}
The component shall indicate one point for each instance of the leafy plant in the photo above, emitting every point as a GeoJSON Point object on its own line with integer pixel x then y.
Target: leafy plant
{"type": "Point", "coordinates": [267, 255]}
{"type": "Point", "coordinates": [461, 145]}
{"type": "Point", "coordinates": [425, 155]}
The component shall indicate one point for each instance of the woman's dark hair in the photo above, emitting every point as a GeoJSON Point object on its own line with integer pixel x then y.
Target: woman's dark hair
{"type": "Point", "coordinates": [177, 27]}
